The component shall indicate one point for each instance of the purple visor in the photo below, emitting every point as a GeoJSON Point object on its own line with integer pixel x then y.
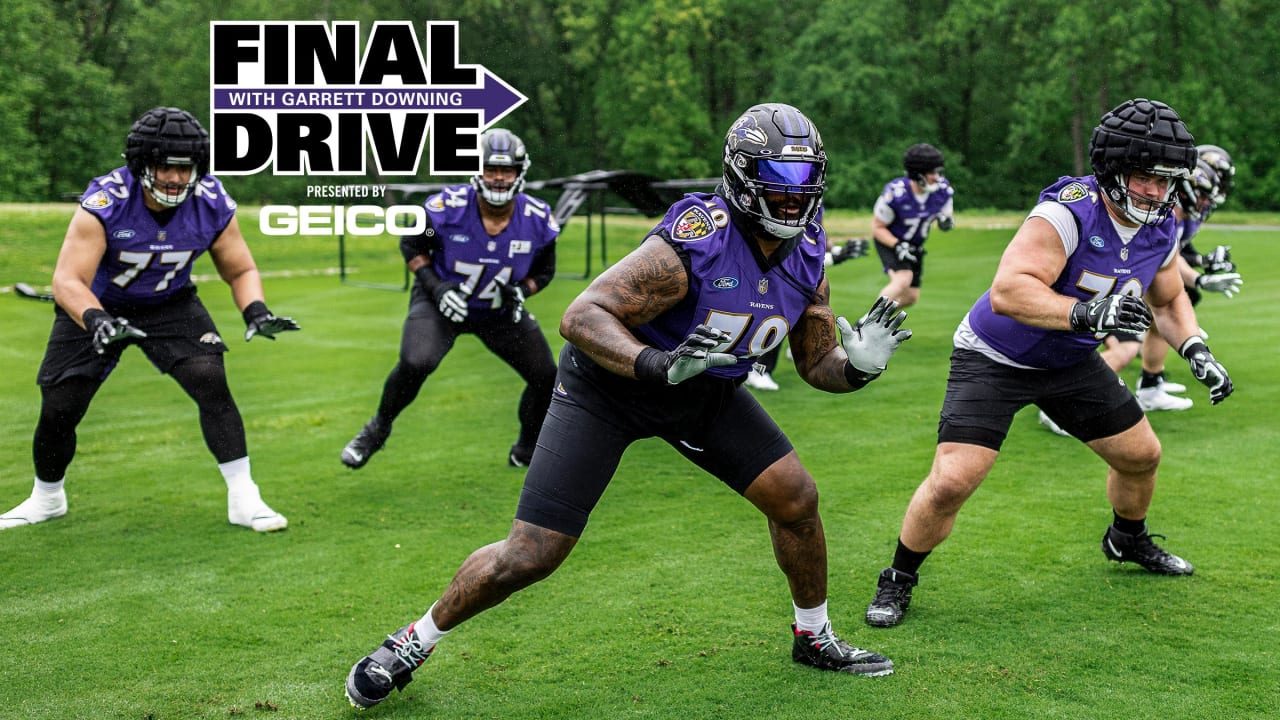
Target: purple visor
{"type": "Point", "coordinates": [802, 174]}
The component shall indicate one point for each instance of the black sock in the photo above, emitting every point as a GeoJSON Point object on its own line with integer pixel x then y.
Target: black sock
{"type": "Point", "coordinates": [907, 560]}
{"type": "Point", "coordinates": [1150, 380]}
{"type": "Point", "coordinates": [1129, 527]}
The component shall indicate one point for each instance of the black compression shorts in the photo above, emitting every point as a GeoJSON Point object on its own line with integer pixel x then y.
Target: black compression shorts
{"type": "Point", "coordinates": [1087, 400]}
{"type": "Point", "coordinates": [595, 415]}
{"type": "Point", "coordinates": [176, 330]}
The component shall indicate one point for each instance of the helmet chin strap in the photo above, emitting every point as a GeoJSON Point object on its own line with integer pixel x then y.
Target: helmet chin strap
{"type": "Point", "coordinates": [149, 182]}
{"type": "Point", "coordinates": [781, 231]}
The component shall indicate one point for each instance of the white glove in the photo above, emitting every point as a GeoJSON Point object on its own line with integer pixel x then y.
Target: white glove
{"type": "Point", "coordinates": [875, 338]}
{"type": "Point", "coordinates": [905, 251]}
{"type": "Point", "coordinates": [694, 356]}
{"type": "Point", "coordinates": [451, 299]}
{"type": "Point", "coordinates": [1227, 283]}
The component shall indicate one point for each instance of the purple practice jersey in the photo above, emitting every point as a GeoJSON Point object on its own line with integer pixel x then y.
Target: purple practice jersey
{"type": "Point", "coordinates": [1101, 265]}
{"type": "Point", "coordinates": [465, 253]}
{"type": "Point", "coordinates": [1187, 229]}
{"type": "Point", "coordinates": [911, 217]}
{"type": "Point", "coordinates": [728, 288]}
{"type": "Point", "coordinates": [146, 261]}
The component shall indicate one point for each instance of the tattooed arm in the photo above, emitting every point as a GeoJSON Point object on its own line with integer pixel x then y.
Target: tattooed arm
{"type": "Point", "coordinates": [641, 286]}
{"type": "Point", "coordinates": [816, 346]}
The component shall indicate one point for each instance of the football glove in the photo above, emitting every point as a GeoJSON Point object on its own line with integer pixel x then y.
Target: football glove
{"type": "Point", "coordinates": [850, 250]}
{"type": "Point", "coordinates": [946, 222]}
{"type": "Point", "coordinates": [258, 320]}
{"type": "Point", "coordinates": [1111, 313]}
{"type": "Point", "coordinates": [1227, 283]}
{"type": "Point", "coordinates": [871, 342]}
{"type": "Point", "coordinates": [1206, 368]}
{"type": "Point", "coordinates": [690, 358]}
{"type": "Point", "coordinates": [109, 330]}
{"type": "Point", "coordinates": [906, 252]}
{"type": "Point", "coordinates": [1218, 261]}
{"type": "Point", "coordinates": [512, 298]}
{"type": "Point", "coordinates": [451, 299]}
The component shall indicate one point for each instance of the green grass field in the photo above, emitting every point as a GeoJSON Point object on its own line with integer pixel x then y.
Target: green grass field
{"type": "Point", "coordinates": [143, 603]}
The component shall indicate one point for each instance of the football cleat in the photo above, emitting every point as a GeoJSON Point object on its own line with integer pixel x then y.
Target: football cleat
{"type": "Point", "coordinates": [35, 509]}
{"type": "Point", "coordinates": [825, 651]}
{"type": "Point", "coordinates": [1151, 399]}
{"type": "Point", "coordinates": [760, 380]}
{"type": "Point", "coordinates": [1170, 387]}
{"type": "Point", "coordinates": [1140, 549]}
{"type": "Point", "coordinates": [519, 457]}
{"type": "Point", "coordinates": [390, 666]}
{"type": "Point", "coordinates": [247, 509]}
{"type": "Point", "coordinates": [368, 441]}
{"type": "Point", "coordinates": [1048, 422]}
{"type": "Point", "coordinates": [893, 597]}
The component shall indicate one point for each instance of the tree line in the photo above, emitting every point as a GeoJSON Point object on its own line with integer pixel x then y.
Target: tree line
{"type": "Point", "coordinates": [1008, 89]}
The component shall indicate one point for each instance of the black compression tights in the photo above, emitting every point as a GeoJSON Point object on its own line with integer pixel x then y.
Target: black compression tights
{"type": "Point", "coordinates": [202, 377]}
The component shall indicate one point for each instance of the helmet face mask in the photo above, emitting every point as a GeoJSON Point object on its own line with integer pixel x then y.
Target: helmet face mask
{"type": "Point", "coordinates": [1220, 161]}
{"type": "Point", "coordinates": [162, 139]}
{"type": "Point", "coordinates": [500, 149]}
{"type": "Point", "coordinates": [1198, 192]}
{"type": "Point", "coordinates": [1147, 138]}
{"type": "Point", "coordinates": [920, 161]}
{"type": "Point", "coordinates": [775, 168]}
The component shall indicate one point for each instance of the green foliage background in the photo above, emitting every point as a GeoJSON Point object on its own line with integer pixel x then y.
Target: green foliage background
{"type": "Point", "coordinates": [1009, 89]}
{"type": "Point", "coordinates": [144, 604]}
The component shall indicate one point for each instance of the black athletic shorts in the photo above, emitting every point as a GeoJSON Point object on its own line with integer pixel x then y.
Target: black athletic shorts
{"type": "Point", "coordinates": [889, 259]}
{"type": "Point", "coordinates": [176, 330]}
{"type": "Point", "coordinates": [595, 415]}
{"type": "Point", "coordinates": [1087, 400]}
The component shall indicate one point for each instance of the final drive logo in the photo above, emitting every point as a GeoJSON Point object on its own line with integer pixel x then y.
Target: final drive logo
{"type": "Point", "coordinates": [302, 98]}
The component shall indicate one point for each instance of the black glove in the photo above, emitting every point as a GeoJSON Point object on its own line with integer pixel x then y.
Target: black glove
{"type": "Point", "coordinates": [906, 252]}
{"type": "Point", "coordinates": [691, 357]}
{"type": "Point", "coordinates": [258, 320]}
{"type": "Point", "coordinates": [108, 330]}
{"type": "Point", "coordinates": [451, 299]}
{"type": "Point", "coordinates": [850, 250]}
{"type": "Point", "coordinates": [1206, 368]}
{"type": "Point", "coordinates": [946, 222]}
{"type": "Point", "coordinates": [512, 298]}
{"type": "Point", "coordinates": [1111, 313]}
{"type": "Point", "coordinates": [1218, 261]}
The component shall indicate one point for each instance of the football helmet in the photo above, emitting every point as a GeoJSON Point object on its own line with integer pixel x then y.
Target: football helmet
{"type": "Point", "coordinates": [1198, 190]}
{"type": "Point", "coordinates": [501, 148]}
{"type": "Point", "coordinates": [167, 136]}
{"type": "Point", "coordinates": [921, 159]}
{"type": "Point", "coordinates": [775, 170]}
{"type": "Point", "coordinates": [1220, 161]}
{"type": "Point", "coordinates": [1141, 135]}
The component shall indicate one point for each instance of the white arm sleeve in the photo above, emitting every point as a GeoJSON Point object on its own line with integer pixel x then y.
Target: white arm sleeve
{"type": "Point", "coordinates": [1062, 220]}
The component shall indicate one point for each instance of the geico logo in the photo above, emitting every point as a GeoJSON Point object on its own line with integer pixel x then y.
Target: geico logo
{"type": "Point", "coordinates": [341, 220]}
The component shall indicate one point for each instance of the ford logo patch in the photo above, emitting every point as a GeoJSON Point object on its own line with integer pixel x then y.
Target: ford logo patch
{"type": "Point", "coordinates": [725, 283]}
{"type": "Point", "coordinates": [123, 234]}
{"type": "Point", "coordinates": [1097, 241]}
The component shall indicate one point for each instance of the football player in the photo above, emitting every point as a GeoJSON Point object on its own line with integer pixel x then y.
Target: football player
{"type": "Point", "coordinates": [123, 278]}
{"type": "Point", "coordinates": [906, 209]}
{"type": "Point", "coordinates": [1078, 268]}
{"type": "Point", "coordinates": [657, 347]}
{"type": "Point", "coordinates": [486, 249]}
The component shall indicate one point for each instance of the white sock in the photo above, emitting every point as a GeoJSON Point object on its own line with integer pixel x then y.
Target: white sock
{"type": "Point", "coordinates": [813, 619]}
{"type": "Point", "coordinates": [237, 475]}
{"type": "Point", "coordinates": [42, 488]}
{"type": "Point", "coordinates": [427, 631]}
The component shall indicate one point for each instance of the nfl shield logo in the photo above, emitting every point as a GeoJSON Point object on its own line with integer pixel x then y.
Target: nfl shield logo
{"type": "Point", "coordinates": [763, 286]}
{"type": "Point", "coordinates": [1124, 254]}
